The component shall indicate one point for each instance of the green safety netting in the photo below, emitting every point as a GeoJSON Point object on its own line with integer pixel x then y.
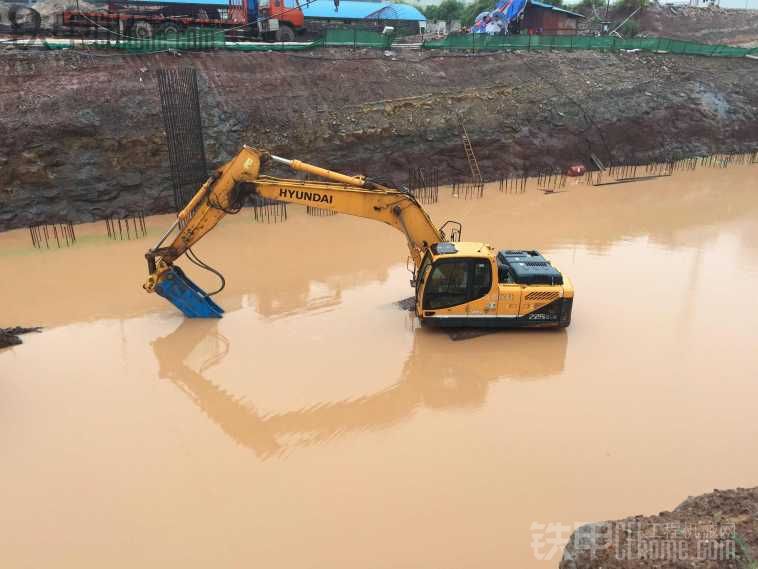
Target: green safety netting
{"type": "Point", "coordinates": [483, 42]}
{"type": "Point", "coordinates": [205, 39]}
{"type": "Point", "coordinates": [190, 39]}
{"type": "Point", "coordinates": [357, 38]}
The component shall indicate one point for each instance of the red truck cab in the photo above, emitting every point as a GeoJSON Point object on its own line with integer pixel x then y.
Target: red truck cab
{"type": "Point", "coordinates": [288, 13]}
{"type": "Point", "coordinates": [273, 20]}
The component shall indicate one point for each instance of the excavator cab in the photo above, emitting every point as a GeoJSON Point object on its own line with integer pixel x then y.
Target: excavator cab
{"type": "Point", "coordinates": [470, 284]}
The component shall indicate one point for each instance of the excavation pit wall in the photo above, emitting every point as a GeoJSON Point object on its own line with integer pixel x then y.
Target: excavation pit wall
{"type": "Point", "coordinates": [81, 135]}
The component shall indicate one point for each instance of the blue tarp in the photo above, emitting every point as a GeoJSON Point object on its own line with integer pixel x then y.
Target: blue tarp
{"type": "Point", "coordinates": [353, 10]}
{"type": "Point", "coordinates": [506, 11]}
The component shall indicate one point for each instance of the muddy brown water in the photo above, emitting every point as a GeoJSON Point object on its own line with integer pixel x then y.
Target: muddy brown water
{"type": "Point", "coordinates": [317, 425]}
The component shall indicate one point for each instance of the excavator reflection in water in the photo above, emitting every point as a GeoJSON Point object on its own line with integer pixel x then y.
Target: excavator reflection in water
{"type": "Point", "coordinates": [431, 378]}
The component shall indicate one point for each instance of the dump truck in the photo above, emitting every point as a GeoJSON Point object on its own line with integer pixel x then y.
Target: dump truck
{"type": "Point", "coordinates": [270, 20]}
{"type": "Point", "coordinates": [457, 283]}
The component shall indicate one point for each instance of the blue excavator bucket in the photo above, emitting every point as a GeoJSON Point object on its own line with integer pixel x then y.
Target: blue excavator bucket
{"type": "Point", "coordinates": [180, 291]}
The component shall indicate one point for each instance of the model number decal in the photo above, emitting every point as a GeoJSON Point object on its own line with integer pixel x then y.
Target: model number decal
{"type": "Point", "coordinates": [542, 317]}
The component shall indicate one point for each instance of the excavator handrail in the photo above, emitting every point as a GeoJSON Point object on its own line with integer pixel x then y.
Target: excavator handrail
{"type": "Point", "coordinates": [455, 232]}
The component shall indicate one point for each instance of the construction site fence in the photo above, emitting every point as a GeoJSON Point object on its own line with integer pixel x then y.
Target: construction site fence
{"type": "Point", "coordinates": [205, 39]}
{"type": "Point", "coordinates": [483, 42]}
{"type": "Point", "coordinates": [357, 38]}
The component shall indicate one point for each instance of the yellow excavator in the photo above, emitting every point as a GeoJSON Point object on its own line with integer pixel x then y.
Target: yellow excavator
{"type": "Point", "coordinates": [457, 284]}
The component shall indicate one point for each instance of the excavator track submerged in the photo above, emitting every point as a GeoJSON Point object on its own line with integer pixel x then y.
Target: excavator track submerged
{"type": "Point", "coordinates": [460, 284]}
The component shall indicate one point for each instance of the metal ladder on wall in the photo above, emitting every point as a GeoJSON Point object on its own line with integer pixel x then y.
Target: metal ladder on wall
{"type": "Point", "coordinates": [476, 175]}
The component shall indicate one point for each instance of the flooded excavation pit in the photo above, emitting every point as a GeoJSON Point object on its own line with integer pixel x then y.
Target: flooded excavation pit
{"type": "Point", "coordinates": [319, 425]}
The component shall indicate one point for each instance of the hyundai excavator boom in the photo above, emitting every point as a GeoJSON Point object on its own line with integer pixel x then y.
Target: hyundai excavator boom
{"type": "Point", "coordinates": [457, 284]}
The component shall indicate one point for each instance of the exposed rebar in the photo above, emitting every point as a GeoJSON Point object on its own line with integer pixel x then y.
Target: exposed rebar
{"type": "Point", "coordinates": [424, 184]}
{"type": "Point", "coordinates": [180, 107]}
{"type": "Point", "coordinates": [60, 234]}
{"type": "Point", "coordinates": [134, 226]}
{"type": "Point", "coordinates": [266, 210]}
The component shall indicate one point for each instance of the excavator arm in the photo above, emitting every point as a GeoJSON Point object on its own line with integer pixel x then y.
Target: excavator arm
{"type": "Point", "coordinates": [225, 192]}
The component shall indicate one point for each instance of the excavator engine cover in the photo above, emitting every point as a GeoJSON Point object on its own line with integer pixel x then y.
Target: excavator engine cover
{"type": "Point", "coordinates": [180, 291]}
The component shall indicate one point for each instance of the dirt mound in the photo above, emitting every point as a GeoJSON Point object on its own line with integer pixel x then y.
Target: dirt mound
{"type": "Point", "coordinates": [717, 530]}
{"type": "Point", "coordinates": [708, 25]}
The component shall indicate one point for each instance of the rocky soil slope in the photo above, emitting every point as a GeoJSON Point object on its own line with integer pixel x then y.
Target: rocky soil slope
{"type": "Point", "coordinates": [717, 530]}
{"type": "Point", "coordinates": [707, 25]}
{"type": "Point", "coordinates": [81, 135]}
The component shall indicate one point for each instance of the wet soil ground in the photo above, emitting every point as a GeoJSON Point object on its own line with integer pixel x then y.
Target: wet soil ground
{"type": "Point", "coordinates": [317, 425]}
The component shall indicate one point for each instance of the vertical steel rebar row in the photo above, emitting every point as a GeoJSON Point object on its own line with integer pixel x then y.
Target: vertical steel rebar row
{"type": "Point", "coordinates": [424, 184]}
{"type": "Point", "coordinates": [319, 212]}
{"type": "Point", "coordinates": [136, 230]}
{"type": "Point", "coordinates": [266, 210]}
{"type": "Point", "coordinates": [551, 181]}
{"type": "Point", "coordinates": [63, 233]}
{"type": "Point", "coordinates": [180, 107]}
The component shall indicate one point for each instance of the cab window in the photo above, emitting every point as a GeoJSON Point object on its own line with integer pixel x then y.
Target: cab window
{"type": "Point", "coordinates": [456, 282]}
{"type": "Point", "coordinates": [481, 280]}
{"type": "Point", "coordinates": [505, 274]}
